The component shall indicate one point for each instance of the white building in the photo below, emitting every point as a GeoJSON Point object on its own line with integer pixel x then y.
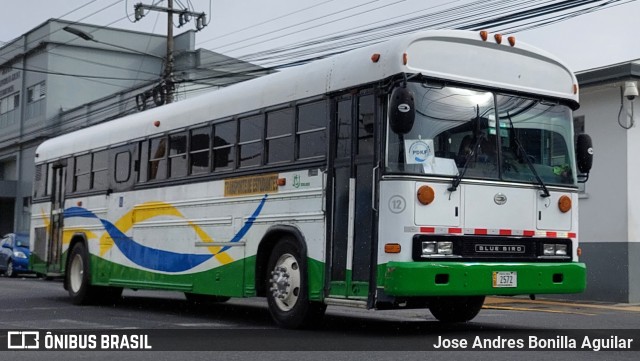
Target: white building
{"type": "Point", "coordinates": [53, 81]}
{"type": "Point", "coordinates": [609, 214]}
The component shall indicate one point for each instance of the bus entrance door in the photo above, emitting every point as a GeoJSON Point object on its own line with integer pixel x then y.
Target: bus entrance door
{"type": "Point", "coordinates": [352, 217]}
{"type": "Point", "coordinates": [54, 246]}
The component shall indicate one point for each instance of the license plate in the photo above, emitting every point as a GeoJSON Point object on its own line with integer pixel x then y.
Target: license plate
{"type": "Point", "coordinates": [505, 279]}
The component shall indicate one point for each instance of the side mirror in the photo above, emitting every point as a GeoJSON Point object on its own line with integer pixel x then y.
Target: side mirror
{"type": "Point", "coordinates": [584, 155]}
{"type": "Point", "coordinates": [402, 112]}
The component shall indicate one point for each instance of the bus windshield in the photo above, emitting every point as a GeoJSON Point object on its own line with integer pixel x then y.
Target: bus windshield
{"type": "Point", "coordinates": [477, 134]}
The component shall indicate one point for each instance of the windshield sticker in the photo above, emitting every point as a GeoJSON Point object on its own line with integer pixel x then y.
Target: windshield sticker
{"type": "Point", "coordinates": [419, 151]}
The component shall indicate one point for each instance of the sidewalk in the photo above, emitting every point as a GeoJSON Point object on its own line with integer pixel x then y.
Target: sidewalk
{"type": "Point", "coordinates": [555, 306]}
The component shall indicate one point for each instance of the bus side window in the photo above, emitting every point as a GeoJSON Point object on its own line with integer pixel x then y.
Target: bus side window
{"type": "Point", "coordinates": [250, 144]}
{"type": "Point", "coordinates": [178, 155]}
{"type": "Point", "coordinates": [366, 117]}
{"type": "Point", "coordinates": [280, 136]}
{"type": "Point", "coordinates": [122, 167]}
{"type": "Point", "coordinates": [224, 151]}
{"type": "Point", "coordinates": [99, 171]}
{"type": "Point", "coordinates": [157, 159]}
{"type": "Point", "coordinates": [199, 150]}
{"type": "Point", "coordinates": [82, 173]}
{"type": "Point", "coordinates": [312, 130]}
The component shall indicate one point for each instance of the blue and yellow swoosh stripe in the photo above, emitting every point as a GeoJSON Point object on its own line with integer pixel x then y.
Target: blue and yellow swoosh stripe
{"type": "Point", "coordinates": [157, 259]}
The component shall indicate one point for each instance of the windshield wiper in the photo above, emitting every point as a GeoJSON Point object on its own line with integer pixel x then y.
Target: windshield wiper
{"type": "Point", "coordinates": [458, 177]}
{"type": "Point", "coordinates": [545, 191]}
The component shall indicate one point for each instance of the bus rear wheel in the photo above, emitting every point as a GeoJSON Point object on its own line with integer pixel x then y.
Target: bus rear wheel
{"type": "Point", "coordinates": [456, 309]}
{"type": "Point", "coordinates": [286, 286]}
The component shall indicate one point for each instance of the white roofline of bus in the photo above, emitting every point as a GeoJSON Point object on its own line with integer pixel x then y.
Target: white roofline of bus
{"type": "Point", "coordinates": [323, 76]}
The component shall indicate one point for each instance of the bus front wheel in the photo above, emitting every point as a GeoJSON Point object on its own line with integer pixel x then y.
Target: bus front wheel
{"type": "Point", "coordinates": [286, 286]}
{"type": "Point", "coordinates": [79, 281]}
{"type": "Point", "coordinates": [77, 274]}
{"type": "Point", "coordinates": [456, 309]}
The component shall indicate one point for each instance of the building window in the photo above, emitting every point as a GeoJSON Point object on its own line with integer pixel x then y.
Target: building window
{"type": "Point", "coordinates": [35, 107]}
{"type": "Point", "coordinates": [36, 92]}
{"type": "Point", "coordinates": [8, 105]}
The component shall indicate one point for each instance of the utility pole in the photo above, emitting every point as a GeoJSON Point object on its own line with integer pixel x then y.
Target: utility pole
{"type": "Point", "coordinates": [168, 71]}
{"type": "Point", "coordinates": [163, 94]}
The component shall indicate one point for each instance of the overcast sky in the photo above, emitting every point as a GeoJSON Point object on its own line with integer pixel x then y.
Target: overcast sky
{"type": "Point", "coordinates": [239, 27]}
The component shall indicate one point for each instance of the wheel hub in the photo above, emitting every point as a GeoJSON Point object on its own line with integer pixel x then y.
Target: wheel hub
{"type": "Point", "coordinates": [76, 273]}
{"type": "Point", "coordinates": [280, 283]}
{"type": "Point", "coordinates": [285, 282]}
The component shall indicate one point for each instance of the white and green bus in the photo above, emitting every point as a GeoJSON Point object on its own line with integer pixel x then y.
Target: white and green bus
{"type": "Point", "coordinates": [430, 170]}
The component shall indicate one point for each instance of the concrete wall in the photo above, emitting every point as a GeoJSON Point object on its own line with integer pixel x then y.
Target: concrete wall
{"type": "Point", "coordinates": [609, 214]}
{"type": "Point", "coordinates": [53, 50]}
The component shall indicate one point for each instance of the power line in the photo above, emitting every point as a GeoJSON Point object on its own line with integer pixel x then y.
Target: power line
{"type": "Point", "coordinates": [559, 18]}
{"type": "Point", "coordinates": [263, 22]}
{"type": "Point", "coordinates": [306, 22]}
{"type": "Point", "coordinates": [442, 19]}
{"type": "Point", "coordinates": [74, 75]}
{"type": "Point", "coordinates": [447, 16]}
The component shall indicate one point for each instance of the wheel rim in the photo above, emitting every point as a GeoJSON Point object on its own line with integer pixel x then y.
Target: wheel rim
{"type": "Point", "coordinates": [10, 269]}
{"type": "Point", "coordinates": [76, 273]}
{"type": "Point", "coordinates": [285, 282]}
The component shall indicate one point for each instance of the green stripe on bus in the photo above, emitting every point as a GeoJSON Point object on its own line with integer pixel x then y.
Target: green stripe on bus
{"type": "Point", "coordinates": [236, 279]}
{"type": "Point", "coordinates": [468, 279]}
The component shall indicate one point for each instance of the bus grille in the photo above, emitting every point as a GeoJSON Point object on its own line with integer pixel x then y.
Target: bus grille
{"type": "Point", "coordinates": [491, 248]}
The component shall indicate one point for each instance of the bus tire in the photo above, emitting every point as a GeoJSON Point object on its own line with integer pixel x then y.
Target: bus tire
{"type": "Point", "coordinates": [77, 275]}
{"type": "Point", "coordinates": [456, 308]}
{"type": "Point", "coordinates": [78, 279]}
{"type": "Point", "coordinates": [286, 287]}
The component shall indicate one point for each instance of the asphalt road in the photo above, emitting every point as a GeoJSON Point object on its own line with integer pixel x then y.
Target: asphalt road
{"type": "Point", "coordinates": [242, 329]}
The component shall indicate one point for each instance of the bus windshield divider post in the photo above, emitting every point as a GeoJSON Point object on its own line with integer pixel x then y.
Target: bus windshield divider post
{"type": "Point", "coordinates": [545, 191]}
{"type": "Point", "coordinates": [458, 177]}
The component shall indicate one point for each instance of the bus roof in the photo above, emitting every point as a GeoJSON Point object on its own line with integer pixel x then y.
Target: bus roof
{"type": "Point", "coordinates": [460, 56]}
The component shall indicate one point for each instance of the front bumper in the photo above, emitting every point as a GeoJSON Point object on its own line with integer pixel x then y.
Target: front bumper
{"type": "Point", "coordinates": [21, 265]}
{"type": "Point", "coordinates": [475, 279]}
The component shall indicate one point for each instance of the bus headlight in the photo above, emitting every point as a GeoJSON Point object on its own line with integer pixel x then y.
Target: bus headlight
{"type": "Point", "coordinates": [445, 247]}
{"type": "Point", "coordinates": [561, 249]}
{"type": "Point", "coordinates": [554, 249]}
{"type": "Point", "coordinates": [430, 248]}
